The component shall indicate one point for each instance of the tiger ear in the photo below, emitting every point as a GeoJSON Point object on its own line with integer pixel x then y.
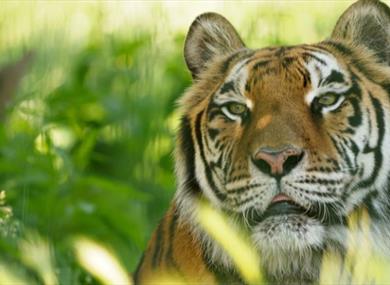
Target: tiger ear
{"type": "Point", "coordinates": [210, 35]}
{"type": "Point", "coordinates": [366, 22]}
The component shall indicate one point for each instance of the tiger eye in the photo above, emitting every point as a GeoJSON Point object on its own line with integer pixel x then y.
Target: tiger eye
{"type": "Point", "coordinates": [236, 108]}
{"type": "Point", "coordinates": [328, 99]}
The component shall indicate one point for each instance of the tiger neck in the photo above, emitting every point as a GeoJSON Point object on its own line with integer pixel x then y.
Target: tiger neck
{"type": "Point", "coordinates": [220, 264]}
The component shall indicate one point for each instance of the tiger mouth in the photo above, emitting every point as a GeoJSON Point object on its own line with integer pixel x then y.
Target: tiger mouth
{"type": "Point", "coordinates": [286, 206]}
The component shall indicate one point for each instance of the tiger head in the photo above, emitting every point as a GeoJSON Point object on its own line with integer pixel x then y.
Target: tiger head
{"type": "Point", "coordinates": [290, 139]}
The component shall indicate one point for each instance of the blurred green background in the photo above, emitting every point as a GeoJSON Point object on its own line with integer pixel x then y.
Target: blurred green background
{"type": "Point", "coordinates": [86, 143]}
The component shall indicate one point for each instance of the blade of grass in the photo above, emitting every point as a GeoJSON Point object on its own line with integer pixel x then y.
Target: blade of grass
{"type": "Point", "coordinates": [246, 260]}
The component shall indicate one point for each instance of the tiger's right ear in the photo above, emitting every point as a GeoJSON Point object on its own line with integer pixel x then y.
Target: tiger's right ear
{"type": "Point", "coordinates": [367, 23]}
{"type": "Point", "coordinates": [210, 35]}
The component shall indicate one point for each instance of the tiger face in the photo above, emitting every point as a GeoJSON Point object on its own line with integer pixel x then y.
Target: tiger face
{"type": "Point", "coordinates": [290, 140]}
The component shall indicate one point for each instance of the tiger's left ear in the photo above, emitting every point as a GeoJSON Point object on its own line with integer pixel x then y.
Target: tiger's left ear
{"type": "Point", "coordinates": [366, 22]}
{"type": "Point", "coordinates": [210, 35]}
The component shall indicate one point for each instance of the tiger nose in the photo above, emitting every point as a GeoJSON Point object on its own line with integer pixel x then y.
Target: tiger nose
{"type": "Point", "coordinates": [277, 162]}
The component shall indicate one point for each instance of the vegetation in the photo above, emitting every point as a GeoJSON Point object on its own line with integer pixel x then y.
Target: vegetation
{"type": "Point", "coordinates": [86, 142]}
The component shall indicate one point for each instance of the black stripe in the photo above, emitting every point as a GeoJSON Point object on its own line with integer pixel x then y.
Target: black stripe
{"type": "Point", "coordinates": [282, 51]}
{"type": "Point", "coordinates": [315, 48]}
{"type": "Point", "coordinates": [171, 234]}
{"type": "Point", "coordinates": [306, 55]}
{"type": "Point", "coordinates": [356, 83]}
{"type": "Point", "coordinates": [270, 71]}
{"type": "Point", "coordinates": [305, 75]}
{"type": "Point", "coordinates": [187, 148]}
{"type": "Point", "coordinates": [157, 252]}
{"type": "Point", "coordinates": [335, 76]}
{"type": "Point", "coordinates": [208, 171]}
{"type": "Point", "coordinates": [347, 51]}
{"type": "Point", "coordinates": [218, 163]}
{"type": "Point", "coordinates": [372, 210]}
{"type": "Point", "coordinates": [349, 131]}
{"type": "Point", "coordinates": [321, 181]}
{"type": "Point", "coordinates": [260, 64]}
{"type": "Point", "coordinates": [227, 156]}
{"type": "Point", "coordinates": [341, 48]}
{"type": "Point", "coordinates": [218, 144]}
{"type": "Point", "coordinates": [238, 203]}
{"type": "Point", "coordinates": [239, 55]}
{"type": "Point", "coordinates": [317, 193]}
{"type": "Point", "coordinates": [214, 112]}
{"type": "Point", "coordinates": [342, 150]}
{"type": "Point", "coordinates": [226, 64]}
{"type": "Point", "coordinates": [386, 87]}
{"type": "Point", "coordinates": [287, 61]}
{"type": "Point", "coordinates": [337, 146]}
{"type": "Point", "coordinates": [321, 169]}
{"type": "Point", "coordinates": [378, 157]}
{"type": "Point", "coordinates": [248, 87]}
{"type": "Point", "coordinates": [213, 133]}
{"type": "Point", "coordinates": [350, 145]}
{"type": "Point", "coordinates": [244, 188]}
{"type": "Point", "coordinates": [356, 119]}
{"type": "Point", "coordinates": [228, 86]}
{"type": "Point", "coordinates": [369, 122]}
{"type": "Point", "coordinates": [355, 150]}
{"type": "Point", "coordinates": [344, 154]}
{"type": "Point", "coordinates": [355, 88]}
{"type": "Point", "coordinates": [222, 275]}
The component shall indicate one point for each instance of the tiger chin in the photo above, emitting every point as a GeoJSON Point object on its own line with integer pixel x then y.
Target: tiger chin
{"type": "Point", "coordinates": [286, 141]}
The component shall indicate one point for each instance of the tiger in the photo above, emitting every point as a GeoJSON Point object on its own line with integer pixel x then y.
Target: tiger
{"type": "Point", "coordinates": [288, 140]}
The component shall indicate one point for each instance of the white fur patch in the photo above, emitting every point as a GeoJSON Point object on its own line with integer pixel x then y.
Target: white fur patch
{"type": "Point", "coordinates": [239, 76]}
{"type": "Point", "coordinates": [319, 70]}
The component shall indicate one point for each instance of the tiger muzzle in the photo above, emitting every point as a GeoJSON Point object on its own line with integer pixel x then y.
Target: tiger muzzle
{"type": "Point", "coordinates": [278, 162]}
{"type": "Point", "coordinates": [322, 212]}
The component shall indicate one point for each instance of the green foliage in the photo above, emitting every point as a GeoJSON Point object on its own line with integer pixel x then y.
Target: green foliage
{"type": "Point", "coordinates": [86, 148]}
